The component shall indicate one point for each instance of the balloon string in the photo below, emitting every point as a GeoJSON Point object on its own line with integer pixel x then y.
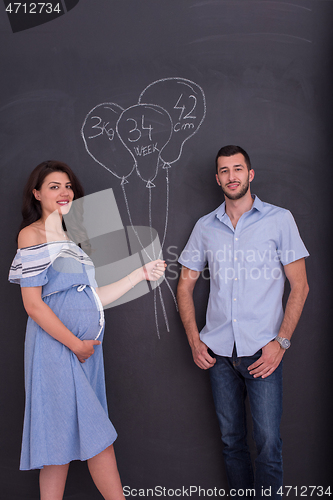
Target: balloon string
{"type": "Point", "coordinates": [156, 318]}
{"type": "Point", "coordinates": [152, 242]}
{"type": "Point", "coordinates": [138, 237]}
{"type": "Point", "coordinates": [151, 226]}
{"type": "Point", "coordinates": [163, 309]}
{"type": "Point", "coordinates": [171, 291]}
{"type": "Point", "coordinates": [132, 226]}
{"type": "Point", "coordinates": [165, 229]}
{"type": "Point", "coordinates": [167, 211]}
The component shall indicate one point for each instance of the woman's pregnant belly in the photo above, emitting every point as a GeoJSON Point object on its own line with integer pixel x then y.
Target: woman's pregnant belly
{"type": "Point", "coordinates": [77, 310]}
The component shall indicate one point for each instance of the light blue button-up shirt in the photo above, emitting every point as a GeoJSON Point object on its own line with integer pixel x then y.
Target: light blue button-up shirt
{"type": "Point", "coordinates": [246, 274]}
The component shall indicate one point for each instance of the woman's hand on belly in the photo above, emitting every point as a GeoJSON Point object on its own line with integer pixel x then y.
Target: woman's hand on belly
{"type": "Point", "coordinates": [85, 349]}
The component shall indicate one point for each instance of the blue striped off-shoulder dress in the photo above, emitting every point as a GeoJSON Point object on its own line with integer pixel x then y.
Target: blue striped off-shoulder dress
{"type": "Point", "coordinates": [66, 416]}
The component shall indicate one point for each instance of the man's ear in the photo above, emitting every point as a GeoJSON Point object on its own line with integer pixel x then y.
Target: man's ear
{"type": "Point", "coordinates": [217, 179]}
{"type": "Point", "coordinates": [251, 175]}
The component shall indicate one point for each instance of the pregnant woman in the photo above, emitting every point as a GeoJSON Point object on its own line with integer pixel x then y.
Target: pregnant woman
{"type": "Point", "coordinates": [66, 416]}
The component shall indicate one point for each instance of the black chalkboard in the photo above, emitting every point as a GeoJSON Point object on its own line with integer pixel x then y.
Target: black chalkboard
{"type": "Point", "coordinates": [138, 97]}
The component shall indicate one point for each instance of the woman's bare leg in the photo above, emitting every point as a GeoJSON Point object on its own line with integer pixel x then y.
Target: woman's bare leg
{"type": "Point", "coordinates": [52, 480]}
{"type": "Point", "coordinates": [104, 471]}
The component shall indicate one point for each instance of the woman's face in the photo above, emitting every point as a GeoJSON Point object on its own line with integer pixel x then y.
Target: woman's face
{"type": "Point", "coordinates": [56, 193]}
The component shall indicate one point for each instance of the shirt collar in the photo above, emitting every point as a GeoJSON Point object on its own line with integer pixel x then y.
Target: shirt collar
{"type": "Point", "coordinates": [257, 205]}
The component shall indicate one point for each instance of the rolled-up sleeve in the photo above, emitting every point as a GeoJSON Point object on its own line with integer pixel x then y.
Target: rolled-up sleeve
{"type": "Point", "coordinates": [291, 246]}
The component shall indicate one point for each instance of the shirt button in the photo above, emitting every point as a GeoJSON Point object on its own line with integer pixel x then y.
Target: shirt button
{"type": "Point", "coordinates": [236, 239]}
{"type": "Point", "coordinates": [235, 320]}
{"type": "Point", "coordinates": [235, 279]}
{"type": "Point", "coordinates": [235, 258]}
{"type": "Point", "coordinates": [235, 299]}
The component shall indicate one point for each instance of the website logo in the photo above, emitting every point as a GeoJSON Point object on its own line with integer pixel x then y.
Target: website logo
{"type": "Point", "coordinates": [95, 224]}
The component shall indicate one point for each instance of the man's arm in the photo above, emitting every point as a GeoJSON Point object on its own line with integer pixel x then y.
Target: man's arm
{"type": "Point", "coordinates": [272, 353]}
{"type": "Point", "coordinates": [186, 284]}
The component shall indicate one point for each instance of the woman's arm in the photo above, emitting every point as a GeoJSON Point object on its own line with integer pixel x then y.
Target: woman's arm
{"type": "Point", "coordinates": [43, 315]}
{"type": "Point", "coordinates": [152, 271]}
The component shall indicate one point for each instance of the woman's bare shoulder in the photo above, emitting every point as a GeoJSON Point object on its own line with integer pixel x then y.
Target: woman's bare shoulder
{"type": "Point", "coordinates": [29, 236]}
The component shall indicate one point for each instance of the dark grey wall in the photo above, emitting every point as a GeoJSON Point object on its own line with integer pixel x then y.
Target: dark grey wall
{"type": "Point", "coordinates": [265, 70]}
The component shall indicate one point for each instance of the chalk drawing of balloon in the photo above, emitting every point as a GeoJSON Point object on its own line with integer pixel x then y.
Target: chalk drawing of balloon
{"type": "Point", "coordinates": [145, 130]}
{"type": "Point", "coordinates": [102, 142]}
{"type": "Point", "coordinates": [186, 104]}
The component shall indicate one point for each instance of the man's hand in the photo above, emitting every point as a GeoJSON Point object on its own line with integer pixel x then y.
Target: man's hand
{"type": "Point", "coordinates": [187, 281]}
{"type": "Point", "coordinates": [272, 354]}
{"type": "Point", "coordinates": [201, 357]}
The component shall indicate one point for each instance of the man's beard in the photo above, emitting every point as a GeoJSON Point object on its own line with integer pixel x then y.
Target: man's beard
{"type": "Point", "coordinates": [239, 195]}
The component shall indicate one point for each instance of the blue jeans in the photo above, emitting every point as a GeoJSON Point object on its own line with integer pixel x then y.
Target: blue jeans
{"type": "Point", "coordinates": [231, 382]}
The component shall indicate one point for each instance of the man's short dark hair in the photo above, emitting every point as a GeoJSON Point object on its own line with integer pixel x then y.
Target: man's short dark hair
{"type": "Point", "coordinates": [231, 151]}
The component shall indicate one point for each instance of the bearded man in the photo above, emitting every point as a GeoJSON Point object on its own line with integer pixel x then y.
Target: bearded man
{"type": "Point", "coordinates": [250, 247]}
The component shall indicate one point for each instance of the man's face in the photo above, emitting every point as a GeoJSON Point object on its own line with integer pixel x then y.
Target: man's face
{"type": "Point", "coordinates": [233, 176]}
